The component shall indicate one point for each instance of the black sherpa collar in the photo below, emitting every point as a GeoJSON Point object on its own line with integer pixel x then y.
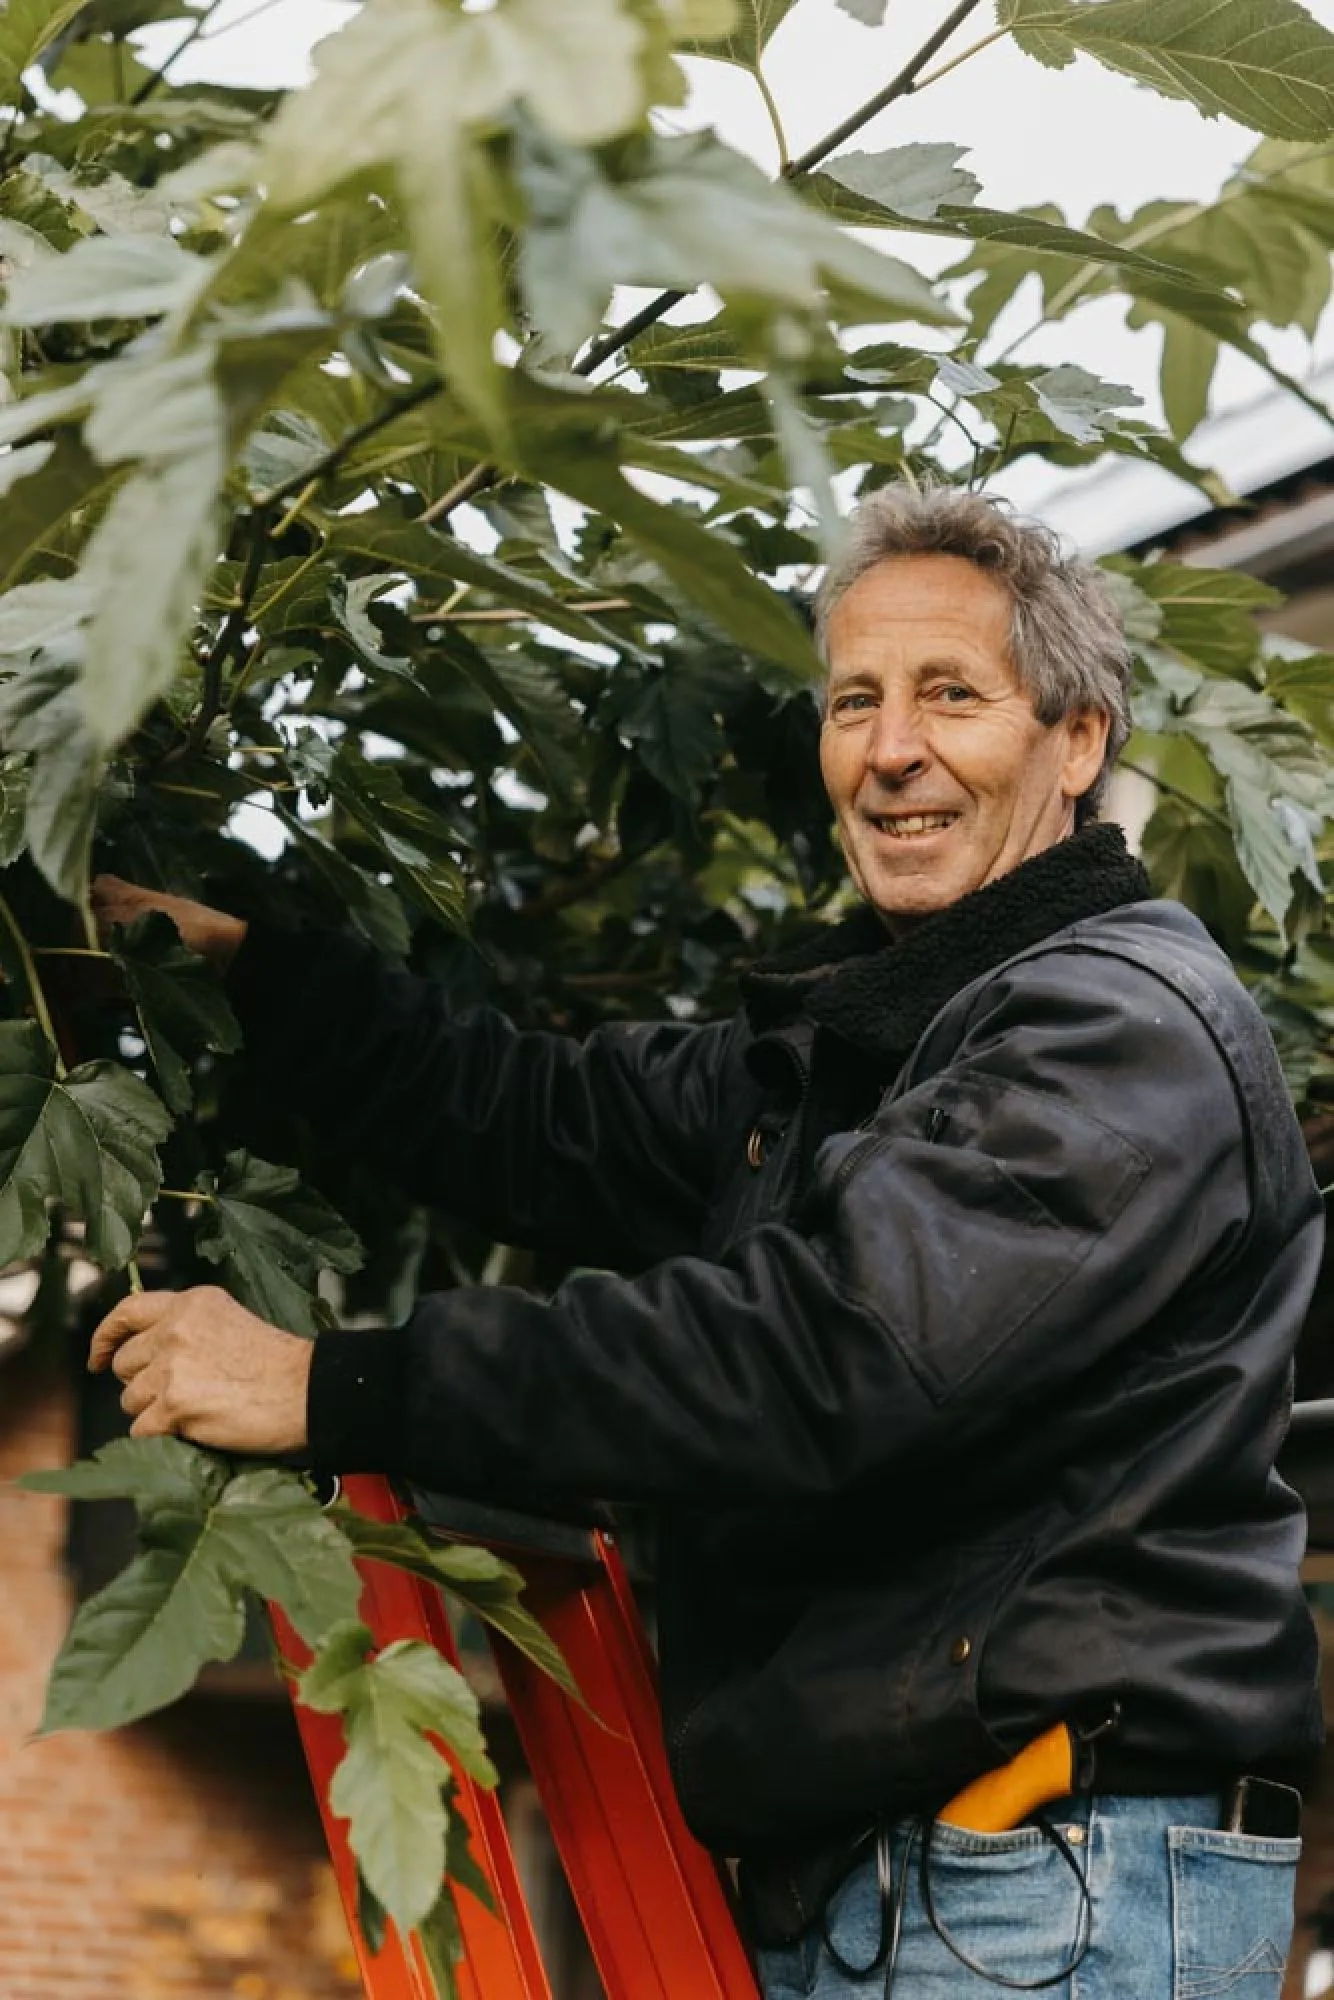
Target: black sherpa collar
{"type": "Point", "coordinates": [881, 995]}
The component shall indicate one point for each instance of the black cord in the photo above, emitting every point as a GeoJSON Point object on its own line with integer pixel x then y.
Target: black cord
{"type": "Point", "coordinates": [900, 1897]}
{"type": "Point", "coordinates": [1083, 1934]}
{"type": "Point", "coordinates": [883, 1871]}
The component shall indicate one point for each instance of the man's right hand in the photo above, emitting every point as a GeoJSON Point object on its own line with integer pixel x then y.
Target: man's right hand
{"type": "Point", "coordinates": [212, 933]}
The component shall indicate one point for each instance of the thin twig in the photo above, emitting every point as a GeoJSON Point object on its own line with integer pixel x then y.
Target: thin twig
{"type": "Point", "coordinates": [188, 39]}
{"type": "Point", "coordinates": [36, 991]}
{"type": "Point", "coordinates": [240, 20]}
{"type": "Point", "coordinates": [501, 616]}
{"type": "Point", "coordinates": [964, 55]}
{"type": "Point", "coordinates": [454, 496]}
{"type": "Point", "coordinates": [900, 86]}
{"type": "Point", "coordinates": [609, 344]}
{"type": "Point", "coordinates": [1175, 792]}
{"type": "Point", "coordinates": [320, 468]}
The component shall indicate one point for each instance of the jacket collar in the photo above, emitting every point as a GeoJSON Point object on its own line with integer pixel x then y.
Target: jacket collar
{"type": "Point", "coordinates": [881, 995]}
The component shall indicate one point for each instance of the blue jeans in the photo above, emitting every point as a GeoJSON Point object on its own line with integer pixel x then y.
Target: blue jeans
{"type": "Point", "coordinates": [1177, 1910]}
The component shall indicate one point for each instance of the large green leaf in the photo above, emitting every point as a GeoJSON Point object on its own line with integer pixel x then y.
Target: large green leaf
{"type": "Point", "coordinates": [106, 277]}
{"type": "Point", "coordinates": [51, 508]}
{"type": "Point", "coordinates": [147, 561]}
{"type": "Point", "coordinates": [705, 568]}
{"type": "Point", "coordinates": [182, 1007]}
{"type": "Point", "coordinates": [490, 1588]}
{"type": "Point", "coordinates": [408, 83]}
{"type": "Point", "coordinates": [41, 715]}
{"type": "Point", "coordinates": [686, 211]}
{"type": "Point", "coordinates": [436, 563]}
{"type": "Point", "coordinates": [390, 1783]}
{"type": "Point", "coordinates": [1304, 685]}
{"type": "Point", "coordinates": [1266, 63]}
{"type": "Point", "coordinates": [1207, 614]}
{"type": "Point", "coordinates": [416, 844]}
{"type": "Point", "coordinates": [272, 1236]}
{"type": "Point", "coordinates": [746, 40]}
{"type": "Point", "coordinates": [87, 1140]}
{"type": "Point", "coordinates": [26, 28]}
{"type": "Point", "coordinates": [908, 183]}
{"type": "Point", "coordinates": [208, 1538]}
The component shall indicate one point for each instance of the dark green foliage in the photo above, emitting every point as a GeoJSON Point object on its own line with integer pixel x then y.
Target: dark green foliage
{"type": "Point", "coordinates": [340, 506]}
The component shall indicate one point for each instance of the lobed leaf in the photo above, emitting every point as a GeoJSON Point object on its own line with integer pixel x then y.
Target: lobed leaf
{"type": "Point", "coordinates": [390, 1783]}
{"type": "Point", "coordinates": [1266, 63]}
{"type": "Point", "coordinates": [182, 1008]}
{"type": "Point", "coordinates": [479, 1578]}
{"type": "Point", "coordinates": [87, 1140]}
{"type": "Point", "coordinates": [272, 1236]}
{"type": "Point", "coordinates": [140, 1642]}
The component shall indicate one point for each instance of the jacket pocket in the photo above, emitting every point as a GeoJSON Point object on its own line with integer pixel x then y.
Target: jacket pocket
{"type": "Point", "coordinates": [966, 1215]}
{"type": "Point", "coordinates": [1232, 1896]}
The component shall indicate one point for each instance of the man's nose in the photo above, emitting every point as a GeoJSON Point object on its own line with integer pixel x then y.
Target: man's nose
{"type": "Point", "coordinates": [898, 747]}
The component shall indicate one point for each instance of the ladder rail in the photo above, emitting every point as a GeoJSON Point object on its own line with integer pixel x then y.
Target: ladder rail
{"type": "Point", "coordinates": [655, 1906]}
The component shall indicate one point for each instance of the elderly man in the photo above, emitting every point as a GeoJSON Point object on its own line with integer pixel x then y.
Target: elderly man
{"type": "Point", "coordinates": [944, 1305]}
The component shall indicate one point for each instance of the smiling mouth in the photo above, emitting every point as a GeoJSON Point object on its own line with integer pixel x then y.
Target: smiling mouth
{"type": "Point", "coordinates": [911, 826]}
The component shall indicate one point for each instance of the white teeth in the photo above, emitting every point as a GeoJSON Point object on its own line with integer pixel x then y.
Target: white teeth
{"type": "Point", "coordinates": [910, 823]}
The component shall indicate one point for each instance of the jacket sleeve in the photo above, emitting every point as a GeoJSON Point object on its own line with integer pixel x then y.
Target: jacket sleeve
{"type": "Point", "coordinates": [997, 1233]}
{"type": "Point", "coordinates": [601, 1149]}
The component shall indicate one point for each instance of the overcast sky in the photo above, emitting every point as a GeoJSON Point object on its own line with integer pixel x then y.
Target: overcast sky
{"type": "Point", "coordinates": [1080, 137]}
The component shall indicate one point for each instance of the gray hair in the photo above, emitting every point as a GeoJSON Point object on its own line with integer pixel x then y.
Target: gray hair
{"type": "Point", "coordinates": [1066, 637]}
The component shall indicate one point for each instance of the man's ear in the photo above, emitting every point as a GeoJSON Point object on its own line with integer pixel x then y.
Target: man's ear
{"type": "Point", "coordinates": [1086, 747]}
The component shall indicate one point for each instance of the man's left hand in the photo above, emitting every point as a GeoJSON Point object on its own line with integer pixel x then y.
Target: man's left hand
{"type": "Point", "coordinates": [197, 1365]}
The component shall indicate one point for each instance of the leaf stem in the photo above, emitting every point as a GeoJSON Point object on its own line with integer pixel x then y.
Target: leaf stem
{"type": "Point", "coordinates": [1175, 792]}
{"type": "Point", "coordinates": [36, 992]}
{"type": "Point", "coordinates": [973, 49]}
{"type": "Point", "coordinates": [184, 1194]}
{"type": "Point", "coordinates": [463, 489]}
{"type": "Point", "coordinates": [771, 106]}
{"type": "Point", "coordinates": [67, 951]}
{"type": "Point", "coordinates": [307, 492]}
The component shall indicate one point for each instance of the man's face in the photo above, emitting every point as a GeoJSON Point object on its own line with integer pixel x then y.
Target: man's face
{"type": "Point", "coordinates": [940, 774]}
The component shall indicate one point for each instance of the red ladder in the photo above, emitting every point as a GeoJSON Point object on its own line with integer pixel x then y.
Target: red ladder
{"type": "Point", "coordinates": [653, 1902]}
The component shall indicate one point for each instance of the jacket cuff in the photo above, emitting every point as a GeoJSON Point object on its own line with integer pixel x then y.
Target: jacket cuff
{"type": "Point", "coordinates": [356, 1403]}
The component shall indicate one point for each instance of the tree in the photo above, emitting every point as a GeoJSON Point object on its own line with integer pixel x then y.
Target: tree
{"type": "Point", "coordinates": [332, 492]}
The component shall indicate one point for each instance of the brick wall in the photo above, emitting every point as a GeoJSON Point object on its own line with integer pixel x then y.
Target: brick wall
{"type": "Point", "coordinates": [182, 1857]}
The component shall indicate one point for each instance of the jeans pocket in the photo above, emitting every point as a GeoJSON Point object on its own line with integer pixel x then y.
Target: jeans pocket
{"type": "Point", "coordinates": [1232, 1897]}
{"type": "Point", "coordinates": [1003, 1907]}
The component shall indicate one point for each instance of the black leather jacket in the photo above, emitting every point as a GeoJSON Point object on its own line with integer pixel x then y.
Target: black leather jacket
{"type": "Point", "coordinates": [956, 1350]}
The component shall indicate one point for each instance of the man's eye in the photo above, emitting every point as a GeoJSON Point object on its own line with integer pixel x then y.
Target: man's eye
{"type": "Point", "coordinates": [954, 694]}
{"type": "Point", "coordinates": [843, 702]}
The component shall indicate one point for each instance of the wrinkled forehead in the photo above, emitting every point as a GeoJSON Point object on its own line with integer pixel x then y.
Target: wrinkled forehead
{"type": "Point", "coordinates": [910, 617]}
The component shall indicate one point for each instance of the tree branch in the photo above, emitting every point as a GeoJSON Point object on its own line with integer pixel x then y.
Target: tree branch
{"type": "Point", "coordinates": [188, 40]}
{"type": "Point", "coordinates": [231, 635]}
{"type": "Point", "coordinates": [320, 468]}
{"type": "Point", "coordinates": [607, 344]}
